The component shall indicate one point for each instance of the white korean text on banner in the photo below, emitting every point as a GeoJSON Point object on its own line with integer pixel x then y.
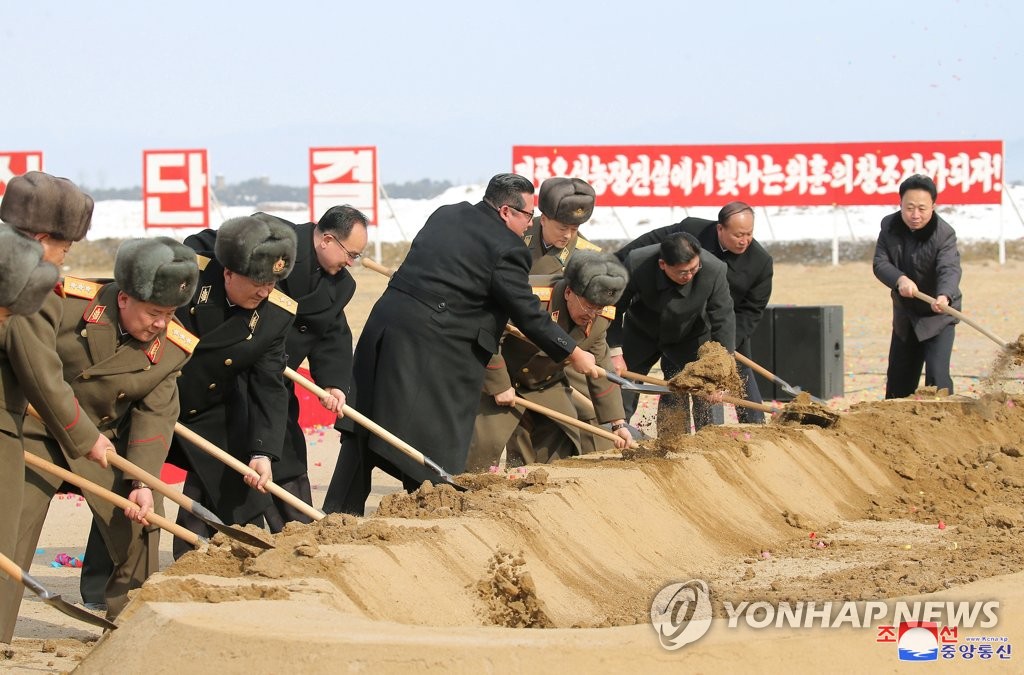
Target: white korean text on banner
{"type": "Point", "coordinates": [343, 176]}
{"type": "Point", "coordinates": [175, 188]}
{"type": "Point", "coordinates": [792, 174]}
{"type": "Point", "coordinates": [17, 163]}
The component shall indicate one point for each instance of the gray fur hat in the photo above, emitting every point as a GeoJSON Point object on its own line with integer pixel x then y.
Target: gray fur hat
{"type": "Point", "coordinates": [262, 249]}
{"type": "Point", "coordinates": [598, 277]}
{"type": "Point", "coordinates": [25, 278]}
{"type": "Point", "coordinates": [158, 270]}
{"type": "Point", "coordinates": [567, 200]}
{"type": "Point", "coordinates": [43, 204]}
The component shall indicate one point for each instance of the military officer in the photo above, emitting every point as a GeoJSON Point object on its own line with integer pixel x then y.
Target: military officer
{"type": "Point", "coordinates": [565, 204]}
{"type": "Point", "coordinates": [121, 352]}
{"type": "Point", "coordinates": [25, 281]}
{"type": "Point", "coordinates": [233, 391]}
{"type": "Point", "coordinates": [322, 287]}
{"type": "Point", "coordinates": [582, 304]}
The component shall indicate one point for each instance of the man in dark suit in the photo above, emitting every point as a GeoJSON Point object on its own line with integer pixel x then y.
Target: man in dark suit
{"type": "Point", "coordinates": [322, 287]}
{"type": "Point", "coordinates": [677, 299]}
{"type": "Point", "coordinates": [419, 363]}
{"type": "Point", "coordinates": [232, 392]}
{"type": "Point", "coordinates": [731, 240]}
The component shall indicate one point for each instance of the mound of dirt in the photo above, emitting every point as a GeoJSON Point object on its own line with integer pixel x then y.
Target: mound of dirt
{"type": "Point", "coordinates": [714, 370]}
{"type": "Point", "coordinates": [510, 594]}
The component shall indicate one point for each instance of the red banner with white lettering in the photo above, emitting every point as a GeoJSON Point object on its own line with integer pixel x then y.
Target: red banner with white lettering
{"type": "Point", "coordinates": [175, 188]}
{"type": "Point", "coordinates": [784, 174]}
{"type": "Point", "coordinates": [343, 176]}
{"type": "Point", "coordinates": [16, 164]}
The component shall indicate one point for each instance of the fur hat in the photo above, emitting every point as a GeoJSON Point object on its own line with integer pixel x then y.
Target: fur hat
{"type": "Point", "coordinates": [598, 277]}
{"type": "Point", "coordinates": [262, 249]}
{"type": "Point", "coordinates": [567, 200]}
{"type": "Point", "coordinates": [43, 204]}
{"type": "Point", "coordinates": [157, 270]}
{"type": "Point", "coordinates": [25, 278]}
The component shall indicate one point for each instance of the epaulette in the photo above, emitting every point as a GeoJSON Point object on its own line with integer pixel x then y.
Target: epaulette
{"type": "Point", "coordinates": [608, 312]}
{"type": "Point", "coordinates": [283, 301]}
{"type": "Point", "coordinates": [584, 245]}
{"type": "Point", "coordinates": [202, 261]}
{"type": "Point", "coordinates": [543, 293]}
{"type": "Point", "coordinates": [177, 334]}
{"type": "Point", "coordinates": [80, 288]}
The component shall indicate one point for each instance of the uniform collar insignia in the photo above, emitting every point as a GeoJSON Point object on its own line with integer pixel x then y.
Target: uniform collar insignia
{"type": "Point", "coordinates": [204, 294]}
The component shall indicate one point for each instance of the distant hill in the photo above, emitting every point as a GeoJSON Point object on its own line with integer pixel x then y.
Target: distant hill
{"type": "Point", "coordinates": [260, 191]}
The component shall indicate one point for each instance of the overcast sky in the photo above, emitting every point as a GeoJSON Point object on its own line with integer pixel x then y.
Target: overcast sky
{"type": "Point", "coordinates": [444, 89]}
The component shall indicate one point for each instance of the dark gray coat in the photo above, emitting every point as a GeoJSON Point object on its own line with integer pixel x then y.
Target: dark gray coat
{"type": "Point", "coordinates": [931, 259]}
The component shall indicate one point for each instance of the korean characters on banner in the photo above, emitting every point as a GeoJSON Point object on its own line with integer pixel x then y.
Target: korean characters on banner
{"type": "Point", "coordinates": [806, 174]}
{"type": "Point", "coordinates": [17, 163]}
{"type": "Point", "coordinates": [343, 176]}
{"type": "Point", "coordinates": [175, 188]}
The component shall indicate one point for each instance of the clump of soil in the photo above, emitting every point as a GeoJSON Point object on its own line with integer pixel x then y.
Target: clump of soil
{"type": "Point", "coordinates": [1009, 357]}
{"type": "Point", "coordinates": [714, 370]}
{"type": "Point", "coordinates": [429, 501]}
{"type": "Point", "coordinates": [510, 594]}
{"type": "Point", "coordinates": [803, 410]}
{"type": "Point", "coordinates": [193, 590]}
{"type": "Point", "coordinates": [640, 452]}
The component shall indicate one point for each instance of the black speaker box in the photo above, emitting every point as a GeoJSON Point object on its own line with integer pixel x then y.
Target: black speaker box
{"type": "Point", "coordinates": [804, 347]}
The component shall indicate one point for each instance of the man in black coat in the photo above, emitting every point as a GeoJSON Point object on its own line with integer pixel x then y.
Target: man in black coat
{"type": "Point", "coordinates": [322, 286]}
{"type": "Point", "coordinates": [232, 392]}
{"type": "Point", "coordinates": [731, 240]}
{"type": "Point", "coordinates": [420, 360]}
{"type": "Point", "coordinates": [677, 299]}
{"type": "Point", "coordinates": [917, 251]}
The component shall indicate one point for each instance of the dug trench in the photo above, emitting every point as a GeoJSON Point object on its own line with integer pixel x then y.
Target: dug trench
{"type": "Point", "coordinates": [899, 498]}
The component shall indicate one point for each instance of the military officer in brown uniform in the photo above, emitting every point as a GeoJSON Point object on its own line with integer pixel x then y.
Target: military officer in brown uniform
{"type": "Point", "coordinates": [582, 304]}
{"type": "Point", "coordinates": [25, 281]}
{"type": "Point", "coordinates": [232, 391]}
{"type": "Point", "coordinates": [565, 204]}
{"type": "Point", "coordinates": [121, 352]}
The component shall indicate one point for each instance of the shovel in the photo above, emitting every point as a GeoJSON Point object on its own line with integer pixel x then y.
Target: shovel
{"type": "Point", "coordinates": [379, 431]}
{"type": "Point", "coordinates": [956, 314]}
{"type": "Point", "coordinates": [242, 468]}
{"type": "Point", "coordinates": [800, 417]}
{"type": "Point", "coordinates": [572, 421]}
{"type": "Point", "coordinates": [115, 499]}
{"type": "Point", "coordinates": [193, 507]}
{"type": "Point", "coordinates": [52, 599]}
{"type": "Point", "coordinates": [793, 391]}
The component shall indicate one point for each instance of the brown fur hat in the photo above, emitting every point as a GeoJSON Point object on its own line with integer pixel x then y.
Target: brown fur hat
{"type": "Point", "coordinates": [262, 249]}
{"type": "Point", "coordinates": [25, 278]}
{"type": "Point", "coordinates": [597, 277]}
{"type": "Point", "coordinates": [567, 200]}
{"type": "Point", "coordinates": [43, 204]}
{"type": "Point", "coordinates": [158, 270]}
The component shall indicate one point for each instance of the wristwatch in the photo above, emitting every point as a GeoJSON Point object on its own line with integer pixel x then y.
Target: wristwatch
{"type": "Point", "coordinates": [620, 425]}
{"type": "Point", "coordinates": [139, 485]}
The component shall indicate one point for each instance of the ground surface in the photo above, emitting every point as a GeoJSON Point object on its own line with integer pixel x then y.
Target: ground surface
{"type": "Point", "coordinates": [898, 499]}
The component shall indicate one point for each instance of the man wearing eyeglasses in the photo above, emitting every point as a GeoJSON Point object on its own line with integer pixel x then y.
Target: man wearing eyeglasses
{"type": "Point", "coordinates": [582, 304]}
{"type": "Point", "coordinates": [322, 286]}
{"type": "Point", "coordinates": [677, 299]}
{"type": "Point", "coordinates": [419, 364]}
{"type": "Point", "coordinates": [731, 240]}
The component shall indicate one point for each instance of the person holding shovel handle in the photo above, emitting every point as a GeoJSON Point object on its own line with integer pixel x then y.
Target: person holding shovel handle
{"type": "Point", "coordinates": [582, 304]}
{"type": "Point", "coordinates": [917, 251]}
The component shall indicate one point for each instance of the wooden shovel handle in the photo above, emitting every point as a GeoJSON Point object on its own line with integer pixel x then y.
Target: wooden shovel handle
{"type": "Point", "coordinates": [138, 473]}
{"type": "Point", "coordinates": [371, 264]}
{"type": "Point", "coordinates": [105, 494]}
{"type": "Point", "coordinates": [242, 468]}
{"type": "Point", "coordinates": [956, 314]}
{"type": "Point", "coordinates": [756, 367]}
{"type": "Point", "coordinates": [562, 417]}
{"type": "Point", "coordinates": [10, 568]}
{"type": "Point", "coordinates": [733, 400]}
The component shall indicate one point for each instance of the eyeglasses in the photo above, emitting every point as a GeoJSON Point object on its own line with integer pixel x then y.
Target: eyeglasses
{"type": "Point", "coordinates": [586, 307]}
{"type": "Point", "coordinates": [528, 214]}
{"type": "Point", "coordinates": [687, 274]}
{"type": "Point", "coordinates": [351, 256]}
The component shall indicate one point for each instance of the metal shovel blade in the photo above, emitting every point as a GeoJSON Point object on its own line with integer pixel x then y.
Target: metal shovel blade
{"type": "Point", "coordinates": [54, 600]}
{"type": "Point", "coordinates": [443, 475]}
{"type": "Point", "coordinates": [211, 519]}
{"type": "Point", "coordinates": [629, 385]}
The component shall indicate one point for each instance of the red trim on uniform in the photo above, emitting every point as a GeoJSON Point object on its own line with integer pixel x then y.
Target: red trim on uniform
{"type": "Point", "coordinates": [607, 391]}
{"type": "Point", "coordinates": [499, 366]}
{"type": "Point", "coordinates": [154, 439]}
{"type": "Point", "coordinates": [78, 414]}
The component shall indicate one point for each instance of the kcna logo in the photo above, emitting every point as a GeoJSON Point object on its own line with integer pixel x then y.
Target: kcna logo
{"type": "Point", "coordinates": [681, 613]}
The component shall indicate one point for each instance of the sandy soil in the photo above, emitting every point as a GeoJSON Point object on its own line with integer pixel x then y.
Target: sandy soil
{"type": "Point", "coordinates": [557, 567]}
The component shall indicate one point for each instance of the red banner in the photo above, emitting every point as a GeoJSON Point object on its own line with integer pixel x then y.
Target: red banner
{"type": "Point", "coordinates": [16, 164]}
{"type": "Point", "coordinates": [343, 176]}
{"type": "Point", "coordinates": [175, 188]}
{"type": "Point", "coordinates": [785, 174]}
